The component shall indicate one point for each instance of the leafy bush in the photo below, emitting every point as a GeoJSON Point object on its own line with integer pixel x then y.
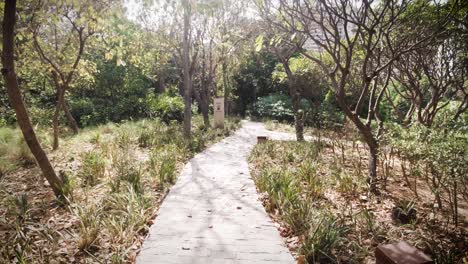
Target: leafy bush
{"type": "Point", "coordinates": [278, 107]}
{"type": "Point", "coordinates": [166, 107]}
{"type": "Point", "coordinates": [438, 152]}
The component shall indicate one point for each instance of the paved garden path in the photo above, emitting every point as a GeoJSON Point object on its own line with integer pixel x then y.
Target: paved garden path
{"type": "Point", "coordinates": [213, 214]}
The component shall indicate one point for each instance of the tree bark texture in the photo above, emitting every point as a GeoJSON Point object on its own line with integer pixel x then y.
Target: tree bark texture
{"type": "Point", "coordinates": [187, 77]}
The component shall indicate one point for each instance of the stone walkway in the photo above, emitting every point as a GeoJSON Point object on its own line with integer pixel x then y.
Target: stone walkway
{"type": "Point", "coordinates": [213, 214]}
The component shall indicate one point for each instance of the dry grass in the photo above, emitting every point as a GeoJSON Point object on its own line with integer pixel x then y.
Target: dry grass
{"type": "Point", "coordinates": [115, 182]}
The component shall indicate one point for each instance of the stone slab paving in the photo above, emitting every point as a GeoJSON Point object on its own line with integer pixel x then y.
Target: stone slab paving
{"type": "Point", "coordinates": [213, 214]}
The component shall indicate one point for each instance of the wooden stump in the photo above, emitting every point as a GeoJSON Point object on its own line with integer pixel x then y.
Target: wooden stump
{"type": "Point", "coordinates": [262, 139]}
{"type": "Point", "coordinates": [400, 253]}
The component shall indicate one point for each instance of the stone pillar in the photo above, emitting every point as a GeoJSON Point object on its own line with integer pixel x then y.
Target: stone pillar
{"type": "Point", "coordinates": [218, 109]}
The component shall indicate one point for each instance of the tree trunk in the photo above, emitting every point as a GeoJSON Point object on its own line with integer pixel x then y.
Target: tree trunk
{"type": "Point", "coordinates": [226, 89]}
{"type": "Point", "coordinates": [17, 103]}
{"type": "Point", "coordinates": [295, 99]}
{"type": "Point", "coordinates": [204, 105]}
{"type": "Point", "coordinates": [55, 121]}
{"type": "Point", "coordinates": [202, 100]}
{"type": "Point", "coordinates": [369, 138]}
{"type": "Point", "coordinates": [66, 109]}
{"type": "Point", "coordinates": [298, 116]}
{"type": "Point", "coordinates": [206, 118]}
{"type": "Point", "coordinates": [187, 79]}
{"type": "Point", "coordinates": [372, 165]}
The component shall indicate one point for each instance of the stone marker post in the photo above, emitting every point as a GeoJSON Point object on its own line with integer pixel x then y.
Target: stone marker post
{"type": "Point", "coordinates": [218, 105]}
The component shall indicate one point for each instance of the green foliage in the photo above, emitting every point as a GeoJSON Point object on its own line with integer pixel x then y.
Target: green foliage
{"type": "Point", "coordinates": [89, 228]}
{"type": "Point", "coordinates": [117, 93]}
{"type": "Point", "coordinates": [287, 172]}
{"type": "Point", "coordinates": [278, 107]}
{"type": "Point", "coordinates": [254, 80]}
{"type": "Point", "coordinates": [439, 152]}
{"type": "Point", "coordinates": [163, 165]}
{"type": "Point", "coordinates": [126, 214]}
{"type": "Point", "coordinates": [14, 151]}
{"type": "Point", "coordinates": [166, 107]}
{"type": "Point", "coordinates": [322, 238]}
{"type": "Point", "coordinates": [93, 168]}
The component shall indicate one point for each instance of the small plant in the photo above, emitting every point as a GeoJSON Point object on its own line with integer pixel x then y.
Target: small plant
{"type": "Point", "coordinates": [90, 218]}
{"type": "Point", "coordinates": [322, 238]}
{"type": "Point", "coordinates": [68, 185]}
{"type": "Point", "coordinates": [96, 138]}
{"type": "Point", "coordinates": [146, 138]}
{"type": "Point", "coordinates": [297, 215]}
{"type": "Point", "coordinates": [23, 155]}
{"type": "Point", "coordinates": [308, 173]}
{"type": "Point", "coordinates": [344, 181]}
{"type": "Point", "coordinates": [404, 212]}
{"type": "Point", "coordinates": [123, 139]}
{"type": "Point", "coordinates": [126, 169]}
{"type": "Point", "coordinates": [133, 177]}
{"type": "Point", "coordinates": [128, 212]}
{"type": "Point", "coordinates": [163, 164]}
{"type": "Point", "coordinates": [93, 168]}
{"type": "Point", "coordinates": [5, 167]}
{"type": "Point", "coordinates": [22, 207]}
{"type": "Point", "coordinates": [197, 143]}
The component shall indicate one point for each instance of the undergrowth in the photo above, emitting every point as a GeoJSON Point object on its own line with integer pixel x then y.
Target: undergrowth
{"type": "Point", "coordinates": [117, 175]}
{"type": "Point", "coordinates": [321, 199]}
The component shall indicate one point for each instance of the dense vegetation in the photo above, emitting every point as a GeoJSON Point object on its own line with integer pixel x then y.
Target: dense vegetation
{"type": "Point", "coordinates": [108, 99]}
{"type": "Point", "coordinates": [317, 192]}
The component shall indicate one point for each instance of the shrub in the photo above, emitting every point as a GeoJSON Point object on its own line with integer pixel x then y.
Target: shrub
{"type": "Point", "coordinates": [23, 154]}
{"type": "Point", "coordinates": [93, 168]}
{"type": "Point", "coordinates": [166, 107]}
{"type": "Point", "coordinates": [127, 213]}
{"type": "Point", "coordinates": [322, 238]}
{"type": "Point", "coordinates": [308, 173]}
{"type": "Point", "coordinates": [163, 165]}
{"type": "Point", "coordinates": [278, 107]}
{"type": "Point", "coordinates": [90, 219]}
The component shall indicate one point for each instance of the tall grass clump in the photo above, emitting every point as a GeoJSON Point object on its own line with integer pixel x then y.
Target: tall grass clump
{"type": "Point", "coordinates": [93, 168]}
{"type": "Point", "coordinates": [127, 213]}
{"type": "Point", "coordinates": [89, 226]}
{"type": "Point", "coordinates": [162, 165]}
{"type": "Point", "coordinates": [323, 237]}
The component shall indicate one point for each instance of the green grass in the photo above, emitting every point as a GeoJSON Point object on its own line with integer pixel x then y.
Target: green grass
{"type": "Point", "coordinates": [14, 152]}
{"type": "Point", "coordinates": [287, 172]}
{"type": "Point", "coordinates": [93, 168]}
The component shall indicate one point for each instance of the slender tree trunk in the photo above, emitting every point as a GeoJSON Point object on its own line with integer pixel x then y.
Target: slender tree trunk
{"type": "Point", "coordinates": [372, 165]}
{"type": "Point", "coordinates": [14, 94]}
{"type": "Point", "coordinates": [206, 118]}
{"type": "Point", "coordinates": [55, 121]}
{"type": "Point", "coordinates": [204, 105]}
{"type": "Point", "coordinates": [298, 116]}
{"type": "Point", "coordinates": [295, 99]}
{"type": "Point", "coordinates": [187, 77]}
{"type": "Point", "coordinates": [66, 109]}
{"type": "Point", "coordinates": [369, 138]}
{"type": "Point", "coordinates": [200, 97]}
{"type": "Point", "coordinates": [226, 89]}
